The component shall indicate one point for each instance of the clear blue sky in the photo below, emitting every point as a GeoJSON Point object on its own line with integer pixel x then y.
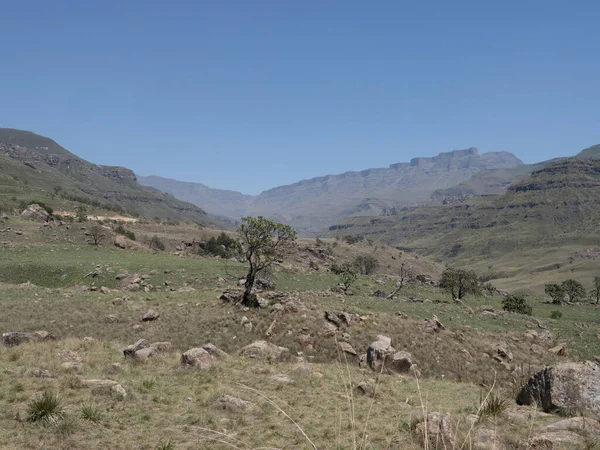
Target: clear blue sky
{"type": "Point", "coordinates": [248, 95]}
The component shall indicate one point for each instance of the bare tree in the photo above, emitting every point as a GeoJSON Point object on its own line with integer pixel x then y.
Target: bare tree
{"type": "Point", "coordinates": [406, 274]}
{"type": "Point", "coordinates": [96, 235]}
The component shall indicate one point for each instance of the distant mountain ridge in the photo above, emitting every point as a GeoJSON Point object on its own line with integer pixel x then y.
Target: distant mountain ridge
{"type": "Point", "coordinates": [33, 163]}
{"type": "Point", "coordinates": [314, 204]}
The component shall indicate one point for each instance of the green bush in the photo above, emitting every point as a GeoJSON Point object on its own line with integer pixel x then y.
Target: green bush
{"type": "Point", "coordinates": [366, 264]}
{"type": "Point", "coordinates": [347, 273]}
{"type": "Point", "coordinates": [517, 304]}
{"type": "Point", "coordinates": [45, 409]}
{"type": "Point", "coordinates": [223, 246]}
{"type": "Point", "coordinates": [128, 234]}
{"type": "Point", "coordinates": [555, 315]}
{"type": "Point", "coordinates": [352, 239]}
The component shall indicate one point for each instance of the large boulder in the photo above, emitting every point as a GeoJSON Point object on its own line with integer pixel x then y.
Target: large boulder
{"type": "Point", "coordinates": [131, 350]}
{"type": "Point", "coordinates": [382, 357]}
{"type": "Point", "coordinates": [14, 338]}
{"type": "Point", "coordinates": [155, 349]}
{"type": "Point", "coordinates": [264, 351]}
{"type": "Point", "coordinates": [567, 386]}
{"type": "Point", "coordinates": [36, 213]}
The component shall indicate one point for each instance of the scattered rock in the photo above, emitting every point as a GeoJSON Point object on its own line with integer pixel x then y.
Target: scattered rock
{"type": "Point", "coordinates": [365, 388]}
{"type": "Point", "coordinates": [111, 319]}
{"type": "Point", "coordinates": [340, 318]}
{"type": "Point", "coordinates": [347, 348]}
{"type": "Point", "coordinates": [328, 330]}
{"type": "Point", "coordinates": [560, 350]}
{"type": "Point", "coordinates": [231, 296]}
{"type": "Point", "coordinates": [120, 241]}
{"type": "Point", "coordinates": [104, 290]}
{"type": "Point", "coordinates": [502, 353]}
{"type": "Point", "coordinates": [149, 316]}
{"type": "Point", "coordinates": [438, 429]}
{"type": "Point", "coordinates": [198, 358]}
{"type": "Point", "coordinates": [433, 325]}
{"type": "Point", "coordinates": [36, 213]}
{"type": "Point", "coordinates": [306, 340]}
{"type": "Point", "coordinates": [234, 404]}
{"type": "Point", "coordinates": [132, 349]}
{"type": "Point", "coordinates": [109, 386]}
{"type": "Point", "coordinates": [214, 351]}
{"type": "Point", "coordinates": [264, 351]}
{"type": "Point", "coordinates": [567, 386]}
{"type": "Point", "coordinates": [12, 339]}
{"type": "Point", "coordinates": [157, 348]}
{"type": "Point", "coordinates": [283, 379]}
{"type": "Point", "coordinates": [378, 352]}
{"type": "Point", "coordinates": [72, 367]}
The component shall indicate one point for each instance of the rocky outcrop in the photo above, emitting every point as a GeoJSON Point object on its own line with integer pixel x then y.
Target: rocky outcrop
{"type": "Point", "coordinates": [436, 431]}
{"type": "Point", "coordinates": [265, 351]}
{"type": "Point", "coordinates": [382, 357]}
{"type": "Point", "coordinates": [12, 339]}
{"type": "Point", "coordinates": [567, 387]}
{"type": "Point", "coordinates": [36, 213]}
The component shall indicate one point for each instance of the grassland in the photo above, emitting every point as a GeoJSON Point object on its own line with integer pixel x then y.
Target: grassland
{"type": "Point", "coordinates": [167, 404]}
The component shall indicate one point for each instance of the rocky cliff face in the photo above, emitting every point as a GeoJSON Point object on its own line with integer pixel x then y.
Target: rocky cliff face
{"type": "Point", "coordinates": [316, 203]}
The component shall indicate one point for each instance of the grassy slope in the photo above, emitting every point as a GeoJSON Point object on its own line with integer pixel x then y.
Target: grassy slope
{"type": "Point", "coordinates": [83, 180]}
{"type": "Point", "coordinates": [166, 402]}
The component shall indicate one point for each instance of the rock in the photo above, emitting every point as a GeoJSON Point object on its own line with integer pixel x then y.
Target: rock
{"type": "Point", "coordinates": [306, 340]}
{"type": "Point", "coordinates": [566, 386]}
{"type": "Point", "coordinates": [120, 241]}
{"type": "Point", "coordinates": [231, 296]}
{"type": "Point", "coordinates": [271, 328]}
{"type": "Point", "coordinates": [111, 319]}
{"type": "Point", "coordinates": [72, 367]}
{"type": "Point", "coordinates": [378, 355]}
{"type": "Point", "coordinates": [537, 349]}
{"type": "Point", "coordinates": [133, 278]}
{"type": "Point", "coordinates": [365, 388]}
{"type": "Point", "coordinates": [433, 325]}
{"type": "Point", "coordinates": [283, 379]}
{"type": "Point", "coordinates": [12, 339]}
{"type": "Point", "coordinates": [385, 339]}
{"type": "Point", "coordinates": [401, 362]}
{"type": "Point", "coordinates": [68, 356]}
{"type": "Point", "coordinates": [340, 319]}
{"type": "Point", "coordinates": [198, 358]}
{"type": "Point", "coordinates": [264, 351]}
{"type": "Point", "coordinates": [576, 424]}
{"type": "Point", "coordinates": [328, 330]}
{"type": "Point", "coordinates": [379, 293]}
{"type": "Point", "coordinates": [402, 315]}
{"type": "Point", "coordinates": [264, 283]}
{"type": "Point", "coordinates": [214, 351]}
{"type": "Point", "coordinates": [36, 213]}
{"type": "Point", "coordinates": [234, 404]}
{"type": "Point", "coordinates": [487, 439]}
{"type": "Point", "coordinates": [149, 316]}
{"type": "Point", "coordinates": [556, 440]}
{"type": "Point", "coordinates": [109, 386]}
{"type": "Point", "coordinates": [157, 348]}
{"type": "Point", "coordinates": [132, 349]}
{"type": "Point", "coordinates": [104, 290]}
{"type": "Point", "coordinates": [438, 429]}
{"type": "Point", "coordinates": [502, 353]}
{"type": "Point", "coordinates": [347, 348]}
{"type": "Point", "coordinates": [42, 373]}
{"type": "Point", "coordinates": [560, 350]}
{"type": "Point", "coordinates": [185, 289]}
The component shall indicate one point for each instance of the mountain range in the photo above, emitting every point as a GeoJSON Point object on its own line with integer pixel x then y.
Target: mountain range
{"type": "Point", "coordinates": [314, 204]}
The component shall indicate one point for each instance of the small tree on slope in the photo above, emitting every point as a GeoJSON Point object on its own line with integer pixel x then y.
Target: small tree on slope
{"type": "Point", "coordinates": [263, 242]}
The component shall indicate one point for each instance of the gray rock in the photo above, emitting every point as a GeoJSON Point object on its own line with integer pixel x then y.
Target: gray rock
{"type": "Point", "coordinates": [12, 339]}
{"type": "Point", "coordinates": [149, 316]}
{"type": "Point", "coordinates": [214, 351]}
{"type": "Point", "coordinates": [567, 386]}
{"type": "Point", "coordinates": [36, 213]}
{"type": "Point", "coordinates": [347, 348]}
{"type": "Point", "coordinates": [198, 358]}
{"type": "Point", "coordinates": [438, 429]}
{"type": "Point", "coordinates": [130, 350]}
{"type": "Point", "coordinates": [234, 404]}
{"type": "Point", "coordinates": [378, 355]}
{"type": "Point", "coordinates": [264, 351]}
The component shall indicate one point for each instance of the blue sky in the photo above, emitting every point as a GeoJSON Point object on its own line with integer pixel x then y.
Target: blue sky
{"type": "Point", "coordinates": [248, 95]}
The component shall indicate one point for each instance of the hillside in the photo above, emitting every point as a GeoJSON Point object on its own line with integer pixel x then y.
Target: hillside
{"type": "Point", "coordinates": [36, 167]}
{"type": "Point", "coordinates": [545, 224]}
{"type": "Point", "coordinates": [312, 205]}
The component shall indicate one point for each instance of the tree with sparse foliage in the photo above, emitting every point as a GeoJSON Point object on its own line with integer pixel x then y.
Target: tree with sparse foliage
{"type": "Point", "coordinates": [366, 264]}
{"type": "Point", "coordinates": [516, 304]}
{"type": "Point", "coordinates": [96, 235]}
{"type": "Point", "coordinates": [460, 282]}
{"type": "Point", "coordinates": [406, 273]}
{"type": "Point", "coordinates": [574, 290]}
{"type": "Point", "coordinates": [556, 293]}
{"type": "Point", "coordinates": [263, 242]}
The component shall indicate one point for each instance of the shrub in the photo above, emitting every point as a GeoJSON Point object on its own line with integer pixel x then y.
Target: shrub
{"type": "Point", "coordinates": [460, 282]}
{"type": "Point", "coordinates": [156, 243]}
{"type": "Point", "coordinates": [45, 409]}
{"type": "Point", "coordinates": [517, 304]}
{"type": "Point", "coordinates": [574, 289]}
{"type": "Point", "coordinates": [349, 239]}
{"type": "Point", "coordinates": [555, 315]}
{"type": "Point", "coordinates": [347, 273]}
{"type": "Point", "coordinates": [91, 412]}
{"type": "Point", "coordinates": [493, 405]}
{"type": "Point", "coordinates": [556, 293]}
{"type": "Point", "coordinates": [128, 234]}
{"type": "Point", "coordinates": [223, 246]}
{"type": "Point", "coordinates": [366, 264]}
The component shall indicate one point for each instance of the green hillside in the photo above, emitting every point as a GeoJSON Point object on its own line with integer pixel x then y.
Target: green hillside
{"type": "Point", "coordinates": [34, 167]}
